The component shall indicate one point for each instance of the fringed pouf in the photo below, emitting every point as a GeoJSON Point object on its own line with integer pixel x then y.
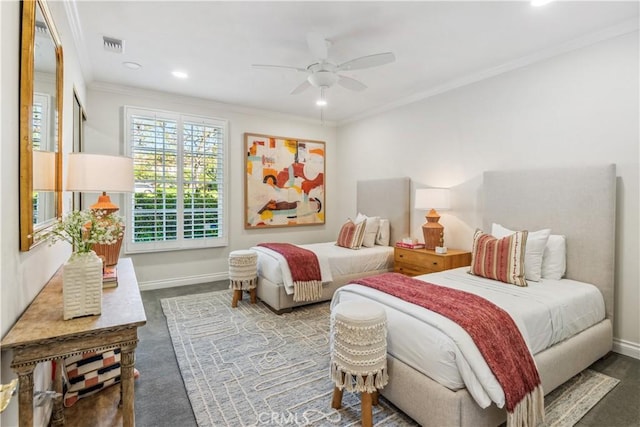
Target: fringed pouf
{"type": "Point", "coordinates": [359, 353]}
{"type": "Point", "coordinates": [243, 274]}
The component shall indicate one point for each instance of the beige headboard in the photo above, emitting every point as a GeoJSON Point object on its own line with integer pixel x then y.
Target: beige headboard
{"type": "Point", "coordinates": [387, 198]}
{"type": "Point", "coordinates": [577, 202]}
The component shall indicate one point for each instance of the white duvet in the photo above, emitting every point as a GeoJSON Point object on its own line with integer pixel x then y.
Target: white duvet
{"type": "Point", "coordinates": [545, 312]}
{"type": "Point", "coordinates": [335, 261]}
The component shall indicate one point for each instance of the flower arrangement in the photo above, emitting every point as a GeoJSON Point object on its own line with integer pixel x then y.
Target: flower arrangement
{"type": "Point", "coordinates": [83, 229]}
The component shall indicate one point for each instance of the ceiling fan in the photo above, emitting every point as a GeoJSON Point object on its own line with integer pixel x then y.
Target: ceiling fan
{"type": "Point", "coordinates": [324, 73]}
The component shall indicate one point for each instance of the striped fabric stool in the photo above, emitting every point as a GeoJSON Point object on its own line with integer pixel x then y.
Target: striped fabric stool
{"type": "Point", "coordinates": [359, 353]}
{"type": "Point", "coordinates": [243, 274]}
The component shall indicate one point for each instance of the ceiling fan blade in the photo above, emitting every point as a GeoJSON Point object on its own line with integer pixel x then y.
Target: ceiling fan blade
{"type": "Point", "coordinates": [349, 83]}
{"type": "Point", "coordinates": [301, 87]}
{"type": "Point", "coordinates": [367, 61]}
{"type": "Point", "coordinates": [318, 45]}
{"type": "Point", "coordinates": [278, 67]}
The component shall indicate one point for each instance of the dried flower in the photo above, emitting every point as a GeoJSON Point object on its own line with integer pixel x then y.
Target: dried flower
{"type": "Point", "coordinates": [85, 228]}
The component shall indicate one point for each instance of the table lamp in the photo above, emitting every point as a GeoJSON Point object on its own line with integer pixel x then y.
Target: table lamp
{"type": "Point", "coordinates": [44, 170]}
{"type": "Point", "coordinates": [99, 173]}
{"type": "Point", "coordinates": [431, 199]}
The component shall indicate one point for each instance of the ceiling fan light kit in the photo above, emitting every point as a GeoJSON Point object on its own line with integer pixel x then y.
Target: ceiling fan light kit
{"type": "Point", "coordinates": [323, 74]}
{"type": "Point", "coordinates": [322, 101]}
{"type": "Point", "coordinates": [323, 78]}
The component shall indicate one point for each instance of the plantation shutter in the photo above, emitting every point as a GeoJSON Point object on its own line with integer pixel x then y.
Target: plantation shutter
{"type": "Point", "coordinates": [180, 177]}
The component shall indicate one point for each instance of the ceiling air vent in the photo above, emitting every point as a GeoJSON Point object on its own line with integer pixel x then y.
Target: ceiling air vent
{"type": "Point", "coordinates": [41, 27]}
{"type": "Point", "coordinates": [113, 45]}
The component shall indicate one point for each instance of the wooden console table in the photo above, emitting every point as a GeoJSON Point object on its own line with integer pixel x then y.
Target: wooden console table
{"type": "Point", "coordinates": [41, 335]}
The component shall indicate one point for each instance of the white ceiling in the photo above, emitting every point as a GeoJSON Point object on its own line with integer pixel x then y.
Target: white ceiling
{"type": "Point", "coordinates": [438, 45]}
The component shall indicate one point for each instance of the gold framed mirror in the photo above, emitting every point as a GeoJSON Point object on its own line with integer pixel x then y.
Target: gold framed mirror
{"type": "Point", "coordinates": [41, 81]}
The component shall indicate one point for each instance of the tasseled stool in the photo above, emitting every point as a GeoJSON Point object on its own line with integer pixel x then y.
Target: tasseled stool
{"type": "Point", "coordinates": [243, 274]}
{"type": "Point", "coordinates": [359, 353]}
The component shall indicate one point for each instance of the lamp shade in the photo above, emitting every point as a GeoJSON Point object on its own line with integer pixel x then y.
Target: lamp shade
{"type": "Point", "coordinates": [44, 170]}
{"type": "Point", "coordinates": [432, 198]}
{"type": "Point", "coordinates": [98, 173]}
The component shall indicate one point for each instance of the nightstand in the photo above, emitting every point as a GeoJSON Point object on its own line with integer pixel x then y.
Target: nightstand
{"type": "Point", "coordinates": [414, 262]}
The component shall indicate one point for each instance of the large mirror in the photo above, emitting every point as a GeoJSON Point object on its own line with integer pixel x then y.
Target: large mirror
{"type": "Point", "coordinates": [40, 123]}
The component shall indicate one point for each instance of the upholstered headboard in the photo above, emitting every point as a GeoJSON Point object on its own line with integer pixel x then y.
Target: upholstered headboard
{"type": "Point", "coordinates": [387, 198]}
{"type": "Point", "coordinates": [577, 202]}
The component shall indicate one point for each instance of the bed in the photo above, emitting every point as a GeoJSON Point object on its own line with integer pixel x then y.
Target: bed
{"type": "Point", "coordinates": [345, 264]}
{"type": "Point", "coordinates": [578, 203]}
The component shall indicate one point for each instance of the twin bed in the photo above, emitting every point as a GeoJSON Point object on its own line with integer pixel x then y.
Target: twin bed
{"type": "Point", "coordinates": [566, 323]}
{"type": "Point", "coordinates": [341, 265]}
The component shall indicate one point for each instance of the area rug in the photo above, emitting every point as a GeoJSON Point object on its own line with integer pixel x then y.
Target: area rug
{"type": "Point", "coordinates": [247, 366]}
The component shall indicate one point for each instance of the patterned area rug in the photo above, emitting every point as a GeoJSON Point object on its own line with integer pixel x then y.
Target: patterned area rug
{"type": "Point", "coordinates": [248, 367]}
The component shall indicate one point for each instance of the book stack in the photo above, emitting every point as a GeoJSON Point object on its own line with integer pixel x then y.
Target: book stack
{"type": "Point", "coordinates": [110, 277]}
{"type": "Point", "coordinates": [404, 243]}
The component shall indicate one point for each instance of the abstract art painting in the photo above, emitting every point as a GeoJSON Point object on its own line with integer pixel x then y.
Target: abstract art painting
{"type": "Point", "coordinates": [284, 181]}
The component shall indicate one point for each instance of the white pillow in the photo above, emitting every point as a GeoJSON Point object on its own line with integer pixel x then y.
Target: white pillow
{"type": "Point", "coordinates": [554, 259]}
{"type": "Point", "coordinates": [370, 230]}
{"type": "Point", "coordinates": [383, 236]}
{"type": "Point", "coordinates": [534, 249]}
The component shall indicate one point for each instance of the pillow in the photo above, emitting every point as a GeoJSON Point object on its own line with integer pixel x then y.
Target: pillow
{"type": "Point", "coordinates": [370, 230]}
{"type": "Point", "coordinates": [536, 242]}
{"type": "Point", "coordinates": [88, 373]}
{"type": "Point", "coordinates": [351, 234]}
{"type": "Point", "coordinates": [554, 259]}
{"type": "Point", "coordinates": [383, 236]}
{"type": "Point", "coordinates": [499, 259]}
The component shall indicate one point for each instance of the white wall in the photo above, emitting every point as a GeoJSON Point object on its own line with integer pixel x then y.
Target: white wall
{"type": "Point", "coordinates": [104, 135]}
{"type": "Point", "coordinates": [575, 109]}
{"type": "Point", "coordinates": [23, 274]}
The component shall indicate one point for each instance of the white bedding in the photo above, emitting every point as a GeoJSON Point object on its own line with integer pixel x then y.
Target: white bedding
{"type": "Point", "coordinates": [335, 261]}
{"type": "Point", "coordinates": [546, 313]}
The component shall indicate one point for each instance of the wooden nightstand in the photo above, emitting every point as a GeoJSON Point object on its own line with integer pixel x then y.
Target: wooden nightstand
{"type": "Point", "coordinates": [414, 262]}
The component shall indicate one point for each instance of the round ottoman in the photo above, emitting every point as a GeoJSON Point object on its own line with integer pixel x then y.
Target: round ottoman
{"type": "Point", "coordinates": [243, 274]}
{"type": "Point", "coordinates": [359, 353]}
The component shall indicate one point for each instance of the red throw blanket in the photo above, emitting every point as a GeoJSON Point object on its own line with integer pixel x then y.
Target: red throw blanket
{"type": "Point", "coordinates": [305, 270]}
{"type": "Point", "coordinates": [493, 331]}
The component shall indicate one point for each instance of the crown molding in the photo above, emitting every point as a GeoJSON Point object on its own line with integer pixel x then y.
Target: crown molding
{"type": "Point", "coordinates": [201, 102]}
{"type": "Point", "coordinates": [71, 10]}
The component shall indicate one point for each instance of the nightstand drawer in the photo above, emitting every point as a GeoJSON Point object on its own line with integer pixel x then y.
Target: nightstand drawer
{"type": "Point", "coordinates": [414, 262]}
{"type": "Point", "coordinates": [419, 259]}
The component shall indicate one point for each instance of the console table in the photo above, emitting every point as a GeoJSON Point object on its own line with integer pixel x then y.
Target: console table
{"type": "Point", "coordinates": [41, 335]}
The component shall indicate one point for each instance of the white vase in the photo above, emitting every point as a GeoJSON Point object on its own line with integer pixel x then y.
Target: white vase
{"type": "Point", "coordinates": [82, 285]}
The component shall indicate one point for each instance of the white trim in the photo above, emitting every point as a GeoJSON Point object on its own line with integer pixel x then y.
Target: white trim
{"type": "Point", "coordinates": [71, 10]}
{"type": "Point", "coordinates": [200, 102]}
{"type": "Point", "coordinates": [620, 29]}
{"type": "Point", "coordinates": [627, 348]}
{"type": "Point", "coordinates": [182, 281]}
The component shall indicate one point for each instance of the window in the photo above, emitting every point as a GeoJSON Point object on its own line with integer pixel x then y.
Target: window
{"type": "Point", "coordinates": [180, 181]}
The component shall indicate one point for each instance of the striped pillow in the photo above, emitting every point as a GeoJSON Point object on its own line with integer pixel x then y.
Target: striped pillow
{"type": "Point", "coordinates": [351, 234]}
{"type": "Point", "coordinates": [88, 373]}
{"type": "Point", "coordinates": [499, 259]}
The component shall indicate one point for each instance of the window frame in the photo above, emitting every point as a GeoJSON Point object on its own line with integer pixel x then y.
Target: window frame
{"type": "Point", "coordinates": [181, 243]}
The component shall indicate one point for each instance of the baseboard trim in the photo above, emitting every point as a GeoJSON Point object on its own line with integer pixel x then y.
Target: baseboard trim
{"type": "Point", "coordinates": [627, 348]}
{"type": "Point", "coordinates": [182, 281]}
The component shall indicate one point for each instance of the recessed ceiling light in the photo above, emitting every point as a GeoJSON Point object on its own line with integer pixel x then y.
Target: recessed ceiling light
{"type": "Point", "coordinates": [180, 74]}
{"type": "Point", "coordinates": [132, 65]}
{"type": "Point", "coordinates": [538, 3]}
